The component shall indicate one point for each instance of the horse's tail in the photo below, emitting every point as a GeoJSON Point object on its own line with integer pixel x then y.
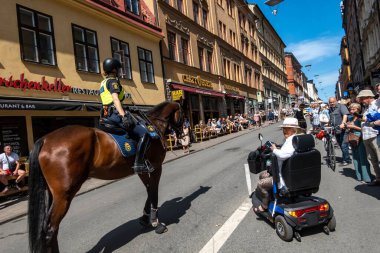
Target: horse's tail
{"type": "Point", "coordinates": [39, 202]}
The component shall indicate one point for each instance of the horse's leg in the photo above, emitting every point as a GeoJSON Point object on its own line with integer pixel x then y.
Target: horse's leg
{"type": "Point", "coordinates": [152, 200]}
{"type": "Point", "coordinates": [60, 205]}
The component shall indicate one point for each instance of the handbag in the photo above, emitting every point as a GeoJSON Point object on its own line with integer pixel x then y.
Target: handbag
{"type": "Point", "coordinates": [323, 118]}
{"type": "Point", "coordinates": [11, 166]}
{"type": "Point", "coordinates": [353, 139]}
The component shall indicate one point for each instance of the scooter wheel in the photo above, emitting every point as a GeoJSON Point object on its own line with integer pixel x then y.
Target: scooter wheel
{"type": "Point", "coordinates": [332, 224]}
{"type": "Point", "coordinates": [283, 229]}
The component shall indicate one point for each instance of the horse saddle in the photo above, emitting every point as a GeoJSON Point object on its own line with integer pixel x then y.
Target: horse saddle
{"type": "Point", "coordinates": [127, 146]}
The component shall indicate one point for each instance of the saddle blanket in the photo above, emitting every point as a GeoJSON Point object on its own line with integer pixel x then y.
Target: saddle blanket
{"type": "Point", "coordinates": [127, 147]}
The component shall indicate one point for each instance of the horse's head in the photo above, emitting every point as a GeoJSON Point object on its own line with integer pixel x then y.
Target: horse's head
{"type": "Point", "coordinates": [177, 118]}
{"type": "Point", "coordinates": [168, 114]}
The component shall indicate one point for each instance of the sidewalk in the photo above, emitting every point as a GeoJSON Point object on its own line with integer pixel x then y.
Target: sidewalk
{"type": "Point", "coordinates": [14, 209]}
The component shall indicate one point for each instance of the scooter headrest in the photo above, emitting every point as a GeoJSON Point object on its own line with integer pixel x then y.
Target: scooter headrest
{"type": "Point", "coordinates": [303, 143]}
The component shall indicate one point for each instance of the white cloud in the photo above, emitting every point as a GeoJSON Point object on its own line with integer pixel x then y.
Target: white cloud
{"type": "Point", "coordinates": [327, 79]}
{"type": "Point", "coordinates": [316, 49]}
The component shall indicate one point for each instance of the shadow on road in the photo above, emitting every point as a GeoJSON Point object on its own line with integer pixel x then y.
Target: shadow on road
{"type": "Point", "coordinates": [348, 172]}
{"type": "Point", "coordinates": [371, 191]}
{"type": "Point", "coordinates": [170, 212]}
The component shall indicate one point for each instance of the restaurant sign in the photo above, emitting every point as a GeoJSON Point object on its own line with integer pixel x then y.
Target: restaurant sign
{"type": "Point", "coordinates": [177, 95]}
{"type": "Point", "coordinates": [197, 80]}
{"type": "Point", "coordinates": [231, 88]}
{"type": "Point", "coordinates": [43, 85]}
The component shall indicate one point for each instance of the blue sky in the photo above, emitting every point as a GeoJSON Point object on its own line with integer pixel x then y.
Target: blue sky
{"type": "Point", "coordinates": [312, 31]}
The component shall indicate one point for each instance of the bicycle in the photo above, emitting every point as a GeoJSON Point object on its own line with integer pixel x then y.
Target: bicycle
{"type": "Point", "coordinates": [329, 147]}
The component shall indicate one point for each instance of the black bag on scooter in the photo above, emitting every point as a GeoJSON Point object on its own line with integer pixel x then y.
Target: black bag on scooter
{"type": "Point", "coordinates": [254, 162]}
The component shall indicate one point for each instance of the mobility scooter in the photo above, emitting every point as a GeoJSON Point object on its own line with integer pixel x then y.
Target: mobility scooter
{"type": "Point", "coordinates": [296, 208]}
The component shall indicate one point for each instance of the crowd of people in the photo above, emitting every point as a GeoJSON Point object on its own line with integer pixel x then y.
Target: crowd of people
{"type": "Point", "coordinates": [356, 125]}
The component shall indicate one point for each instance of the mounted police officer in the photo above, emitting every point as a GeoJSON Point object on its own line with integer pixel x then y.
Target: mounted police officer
{"type": "Point", "coordinates": [112, 94]}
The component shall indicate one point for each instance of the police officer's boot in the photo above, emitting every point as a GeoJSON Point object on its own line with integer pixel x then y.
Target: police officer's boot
{"type": "Point", "coordinates": [142, 166]}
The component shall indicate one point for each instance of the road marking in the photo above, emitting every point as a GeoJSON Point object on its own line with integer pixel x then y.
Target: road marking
{"type": "Point", "coordinates": [221, 236]}
{"type": "Point", "coordinates": [248, 179]}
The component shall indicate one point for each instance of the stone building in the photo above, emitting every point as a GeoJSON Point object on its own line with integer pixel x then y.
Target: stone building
{"type": "Point", "coordinates": [210, 56]}
{"type": "Point", "coordinates": [271, 49]}
{"type": "Point", "coordinates": [294, 77]}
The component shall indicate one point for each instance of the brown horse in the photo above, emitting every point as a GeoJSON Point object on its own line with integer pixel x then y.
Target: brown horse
{"type": "Point", "coordinates": [62, 160]}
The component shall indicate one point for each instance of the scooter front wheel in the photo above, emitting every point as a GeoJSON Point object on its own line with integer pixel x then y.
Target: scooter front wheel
{"type": "Point", "coordinates": [283, 229]}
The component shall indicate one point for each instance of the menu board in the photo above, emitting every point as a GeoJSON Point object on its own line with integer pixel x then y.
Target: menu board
{"type": "Point", "coordinates": [13, 133]}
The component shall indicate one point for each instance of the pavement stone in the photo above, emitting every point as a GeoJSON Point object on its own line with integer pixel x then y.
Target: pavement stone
{"type": "Point", "coordinates": [16, 208]}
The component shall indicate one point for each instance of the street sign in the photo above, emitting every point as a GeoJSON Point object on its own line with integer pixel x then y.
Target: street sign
{"type": "Point", "coordinates": [177, 95]}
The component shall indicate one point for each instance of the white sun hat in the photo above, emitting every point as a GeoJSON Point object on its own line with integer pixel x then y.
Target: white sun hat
{"type": "Point", "coordinates": [365, 93]}
{"type": "Point", "coordinates": [290, 122]}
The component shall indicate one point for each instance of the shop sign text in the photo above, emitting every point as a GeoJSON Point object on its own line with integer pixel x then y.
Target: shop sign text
{"type": "Point", "coordinates": [43, 85]}
{"type": "Point", "coordinates": [177, 95]}
{"type": "Point", "coordinates": [231, 88]}
{"type": "Point", "coordinates": [197, 80]}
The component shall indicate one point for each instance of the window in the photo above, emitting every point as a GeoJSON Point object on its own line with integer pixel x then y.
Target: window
{"type": "Point", "coordinates": [85, 49]}
{"type": "Point", "coordinates": [36, 36]}
{"type": "Point", "coordinates": [180, 6]}
{"type": "Point", "coordinates": [205, 20]}
{"type": "Point", "coordinates": [120, 51]}
{"type": "Point", "coordinates": [172, 46]}
{"type": "Point", "coordinates": [196, 12]}
{"type": "Point", "coordinates": [133, 6]}
{"type": "Point", "coordinates": [209, 62]}
{"type": "Point", "coordinates": [227, 68]}
{"type": "Point", "coordinates": [201, 58]}
{"type": "Point", "coordinates": [185, 51]}
{"type": "Point", "coordinates": [146, 65]}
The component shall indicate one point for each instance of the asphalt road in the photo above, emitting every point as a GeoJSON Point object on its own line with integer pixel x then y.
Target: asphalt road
{"type": "Point", "coordinates": [198, 193]}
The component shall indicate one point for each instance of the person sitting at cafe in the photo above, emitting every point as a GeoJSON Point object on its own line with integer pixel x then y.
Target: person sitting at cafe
{"type": "Point", "coordinates": [10, 165]}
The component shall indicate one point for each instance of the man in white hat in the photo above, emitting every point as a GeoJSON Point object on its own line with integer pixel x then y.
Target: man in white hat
{"type": "Point", "coordinates": [289, 129]}
{"type": "Point", "coordinates": [371, 135]}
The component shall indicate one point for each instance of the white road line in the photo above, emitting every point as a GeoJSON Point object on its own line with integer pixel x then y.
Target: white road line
{"type": "Point", "coordinates": [248, 178]}
{"type": "Point", "coordinates": [221, 236]}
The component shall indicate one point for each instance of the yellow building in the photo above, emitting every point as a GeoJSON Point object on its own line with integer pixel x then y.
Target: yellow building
{"type": "Point", "coordinates": [51, 62]}
{"type": "Point", "coordinates": [210, 56]}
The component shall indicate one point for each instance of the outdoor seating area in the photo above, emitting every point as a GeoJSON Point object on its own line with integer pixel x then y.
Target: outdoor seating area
{"type": "Point", "coordinates": [22, 186]}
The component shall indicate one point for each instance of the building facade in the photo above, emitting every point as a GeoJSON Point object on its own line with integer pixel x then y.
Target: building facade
{"type": "Point", "coordinates": [368, 13]}
{"type": "Point", "coordinates": [344, 86]}
{"type": "Point", "coordinates": [271, 49]}
{"type": "Point", "coordinates": [351, 27]}
{"type": "Point", "coordinates": [294, 78]}
{"type": "Point", "coordinates": [210, 56]}
{"type": "Point", "coordinates": [51, 62]}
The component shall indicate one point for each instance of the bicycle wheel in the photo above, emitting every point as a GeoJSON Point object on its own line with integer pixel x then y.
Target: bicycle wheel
{"type": "Point", "coordinates": [332, 156]}
{"type": "Point", "coordinates": [327, 147]}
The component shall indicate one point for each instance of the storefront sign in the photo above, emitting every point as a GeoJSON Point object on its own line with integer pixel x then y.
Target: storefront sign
{"type": "Point", "coordinates": [43, 85]}
{"type": "Point", "coordinates": [177, 95]}
{"type": "Point", "coordinates": [197, 80]}
{"type": "Point", "coordinates": [231, 88]}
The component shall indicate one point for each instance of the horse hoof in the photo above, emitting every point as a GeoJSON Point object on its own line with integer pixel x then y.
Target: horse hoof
{"type": "Point", "coordinates": [161, 228]}
{"type": "Point", "coordinates": [144, 221]}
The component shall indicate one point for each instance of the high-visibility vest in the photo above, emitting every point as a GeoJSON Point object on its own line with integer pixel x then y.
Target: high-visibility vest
{"type": "Point", "coordinates": [105, 94]}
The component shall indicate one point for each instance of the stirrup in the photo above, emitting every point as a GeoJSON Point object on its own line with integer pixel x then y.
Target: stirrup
{"type": "Point", "coordinates": [143, 168]}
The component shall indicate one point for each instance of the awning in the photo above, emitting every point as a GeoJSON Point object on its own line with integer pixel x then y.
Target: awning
{"type": "Point", "coordinates": [58, 105]}
{"type": "Point", "coordinates": [197, 90]}
{"type": "Point", "coordinates": [235, 96]}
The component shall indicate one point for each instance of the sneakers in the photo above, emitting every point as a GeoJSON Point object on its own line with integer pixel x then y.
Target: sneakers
{"type": "Point", "coordinates": [344, 163]}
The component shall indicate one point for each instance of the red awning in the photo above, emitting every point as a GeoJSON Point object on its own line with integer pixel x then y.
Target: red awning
{"type": "Point", "coordinates": [196, 90]}
{"type": "Point", "coordinates": [235, 96]}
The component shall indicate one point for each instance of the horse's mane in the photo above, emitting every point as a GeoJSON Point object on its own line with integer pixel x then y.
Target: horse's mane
{"type": "Point", "coordinates": [156, 111]}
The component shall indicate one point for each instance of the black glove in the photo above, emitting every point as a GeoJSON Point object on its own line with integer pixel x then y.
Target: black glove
{"type": "Point", "coordinates": [127, 121]}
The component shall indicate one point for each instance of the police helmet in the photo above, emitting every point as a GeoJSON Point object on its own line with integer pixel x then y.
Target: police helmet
{"type": "Point", "coordinates": [110, 64]}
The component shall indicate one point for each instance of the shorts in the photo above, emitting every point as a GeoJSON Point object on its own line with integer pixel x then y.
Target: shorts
{"type": "Point", "coordinates": [6, 172]}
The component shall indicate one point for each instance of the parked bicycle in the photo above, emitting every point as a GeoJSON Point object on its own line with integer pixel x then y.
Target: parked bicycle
{"type": "Point", "coordinates": [327, 135]}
